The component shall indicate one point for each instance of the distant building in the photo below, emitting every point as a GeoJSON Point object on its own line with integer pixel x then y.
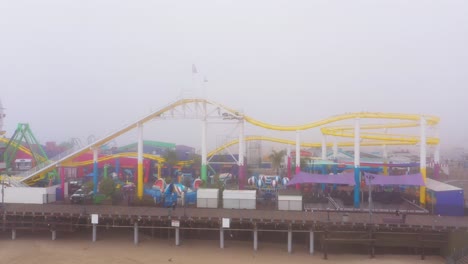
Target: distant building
{"type": "Point", "coordinates": [149, 147]}
{"type": "Point", "coordinates": [184, 152]}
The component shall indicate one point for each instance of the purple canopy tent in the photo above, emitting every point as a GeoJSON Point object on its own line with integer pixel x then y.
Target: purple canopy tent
{"type": "Point", "coordinates": [411, 179]}
{"type": "Point", "coordinates": [304, 177]}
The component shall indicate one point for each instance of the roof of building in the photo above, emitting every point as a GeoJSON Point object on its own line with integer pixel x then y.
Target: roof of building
{"type": "Point", "coordinates": [438, 186]}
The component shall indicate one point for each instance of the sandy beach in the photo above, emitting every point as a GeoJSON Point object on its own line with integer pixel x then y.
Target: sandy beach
{"type": "Point", "coordinates": [117, 247]}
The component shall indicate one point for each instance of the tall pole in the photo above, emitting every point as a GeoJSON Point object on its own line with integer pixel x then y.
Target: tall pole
{"type": "Point", "coordinates": [437, 158]}
{"type": "Point", "coordinates": [203, 172]}
{"type": "Point", "coordinates": [385, 158]}
{"type": "Point", "coordinates": [298, 157]}
{"type": "Point", "coordinates": [370, 178]}
{"type": "Point", "coordinates": [422, 189]}
{"type": "Point", "coordinates": [324, 157]}
{"type": "Point", "coordinates": [324, 147]}
{"type": "Point", "coordinates": [241, 172]}
{"type": "Point", "coordinates": [335, 160]}
{"type": "Point", "coordinates": [140, 161]}
{"type": "Point", "coordinates": [298, 152]}
{"type": "Point", "coordinates": [95, 170]}
{"type": "Point", "coordinates": [357, 158]}
{"type": "Point", "coordinates": [335, 149]}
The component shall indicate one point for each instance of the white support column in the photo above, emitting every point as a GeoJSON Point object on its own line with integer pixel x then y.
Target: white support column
{"type": "Point", "coordinates": [241, 143]}
{"type": "Point", "coordinates": [298, 151]}
{"type": "Point", "coordinates": [385, 157]}
{"type": "Point", "coordinates": [357, 160]}
{"type": "Point", "coordinates": [357, 143]}
{"type": "Point", "coordinates": [54, 235]}
{"type": "Point", "coordinates": [423, 140]}
{"type": "Point", "coordinates": [135, 233]}
{"type": "Point", "coordinates": [203, 147]}
{"type": "Point", "coordinates": [423, 154]}
{"type": "Point", "coordinates": [437, 157]}
{"type": "Point", "coordinates": [289, 241]}
{"type": "Point", "coordinates": [241, 172]}
{"type": "Point", "coordinates": [335, 149]}
{"type": "Point", "coordinates": [177, 237]}
{"type": "Point", "coordinates": [311, 244]}
{"type": "Point", "coordinates": [324, 147]}
{"type": "Point", "coordinates": [255, 233]}
{"type": "Point", "coordinates": [221, 237]}
{"type": "Point", "coordinates": [204, 172]}
{"type": "Point", "coordinates": [13, 234]}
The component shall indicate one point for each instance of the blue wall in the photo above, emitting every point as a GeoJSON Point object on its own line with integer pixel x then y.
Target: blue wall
{"type": "Point", "coordinates": [450, 203]}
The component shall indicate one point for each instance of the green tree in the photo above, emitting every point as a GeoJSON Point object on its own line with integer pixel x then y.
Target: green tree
{"type": "Point", "coordinates": [276, 157]}
{"type": "Point", "coordinates": [107, 187]}
{"type": "Point", "coordinates": [88, 186]}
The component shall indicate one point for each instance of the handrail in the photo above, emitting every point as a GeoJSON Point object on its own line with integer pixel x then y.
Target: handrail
{"type": "Point", "coordinates": [47, 163]}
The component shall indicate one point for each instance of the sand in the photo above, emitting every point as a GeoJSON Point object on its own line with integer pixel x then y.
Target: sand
{"type": "Point", "coordinates": [117, 247]}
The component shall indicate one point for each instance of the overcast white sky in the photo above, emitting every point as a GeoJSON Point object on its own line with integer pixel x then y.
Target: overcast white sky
{"type": "Point", "coordinates": [76, 68]}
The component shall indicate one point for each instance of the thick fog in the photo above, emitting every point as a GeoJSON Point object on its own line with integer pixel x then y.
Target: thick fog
{"type": "Point", "coordinates": [81, 68]}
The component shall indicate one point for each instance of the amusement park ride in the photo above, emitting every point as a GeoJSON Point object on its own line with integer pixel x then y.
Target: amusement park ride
{"type": "Point", "coordinates": [23, 135]}
{"type": "Point", "coordinates": [363, 134]}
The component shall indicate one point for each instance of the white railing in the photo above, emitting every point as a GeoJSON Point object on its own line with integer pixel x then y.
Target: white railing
{"type": "Point", "coordinates": [75, 151]}
{"type": "Point", "coordinates": [47, 164]}
{"type": "Point", "coordinates": [16, 183]}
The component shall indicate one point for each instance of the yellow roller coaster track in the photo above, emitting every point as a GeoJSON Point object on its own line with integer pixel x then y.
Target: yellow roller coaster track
{"type": "Point", "coordinates": [412, 120]}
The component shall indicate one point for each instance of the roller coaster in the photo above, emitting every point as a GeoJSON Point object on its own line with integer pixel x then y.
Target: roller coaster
{"type": "Point", "coordinates": [203, 109]}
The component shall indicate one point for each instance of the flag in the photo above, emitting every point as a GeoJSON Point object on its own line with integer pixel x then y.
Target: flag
{"type": "Point", "coordinates": [194, 69]}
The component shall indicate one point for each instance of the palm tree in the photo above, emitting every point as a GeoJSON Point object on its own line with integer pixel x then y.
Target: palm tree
{"type": "Point", "coordinates": [276, 157]}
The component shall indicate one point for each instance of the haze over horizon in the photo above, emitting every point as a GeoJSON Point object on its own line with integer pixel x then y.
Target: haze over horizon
{"type": "Point", "coordinates": [80, 68]}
